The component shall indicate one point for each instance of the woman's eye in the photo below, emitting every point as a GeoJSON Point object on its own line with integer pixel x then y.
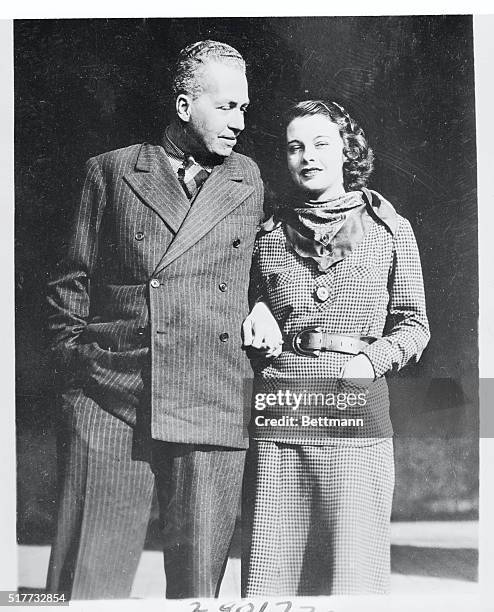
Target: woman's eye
{"type": "Point", "coordinates": [322, 143]}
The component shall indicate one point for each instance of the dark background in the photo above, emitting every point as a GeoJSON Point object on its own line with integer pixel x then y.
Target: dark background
{"type": "Point", "coordinates": [87, 86]}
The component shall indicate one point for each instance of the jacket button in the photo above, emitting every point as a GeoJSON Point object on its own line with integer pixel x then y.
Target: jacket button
{"type": "Point", "coordinates": [322, 294]}
{"type": "Point", "coordinates": [155, 283]}
{"type": "Point", "coordinates": [139, 235]}
{"type": "Point", "coordinates": [236, 243]}
{"type": "Point", "coordinates": [222, 286]}
{"type": "Point", "coordinates": [224, 337]}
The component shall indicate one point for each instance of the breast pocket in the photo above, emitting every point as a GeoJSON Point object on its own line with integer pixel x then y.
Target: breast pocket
{"type": "Point", "coordinates": [290, 291]}
{"type": "Point", "coordinates": [361, 282]}
{"type": "Point", "coordinates": [279, 278]}
{"type": "Point", "coordinates": [365, 272]}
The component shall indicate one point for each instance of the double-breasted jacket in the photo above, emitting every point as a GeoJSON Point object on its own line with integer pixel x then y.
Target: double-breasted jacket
{"type": "Point", "coordinates": [146, 309]}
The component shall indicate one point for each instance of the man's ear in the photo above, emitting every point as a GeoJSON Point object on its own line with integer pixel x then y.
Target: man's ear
{"type": "Point", "coordinates": [182, 106]}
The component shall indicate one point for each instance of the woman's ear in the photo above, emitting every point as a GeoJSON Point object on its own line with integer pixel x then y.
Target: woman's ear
{"type": "Point", "coordinates": [183, 107]}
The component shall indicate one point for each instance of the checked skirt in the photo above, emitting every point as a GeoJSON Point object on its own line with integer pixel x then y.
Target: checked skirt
{"type": "Point", "coordinates": [317, 519]}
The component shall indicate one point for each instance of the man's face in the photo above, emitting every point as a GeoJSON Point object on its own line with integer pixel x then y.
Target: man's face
{"type": "Point", "coordinates": [216, 117]}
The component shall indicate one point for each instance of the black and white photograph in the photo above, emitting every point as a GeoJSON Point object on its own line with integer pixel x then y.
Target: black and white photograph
{"type": "Point", "coordinates": [246, 311]}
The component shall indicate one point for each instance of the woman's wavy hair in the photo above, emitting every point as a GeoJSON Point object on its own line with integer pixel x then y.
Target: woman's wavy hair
{"type": "Point", "coordinates": [359, 156]}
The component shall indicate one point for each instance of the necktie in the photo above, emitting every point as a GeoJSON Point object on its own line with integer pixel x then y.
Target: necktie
{"type": "Point", "coordinates": [192, 176]}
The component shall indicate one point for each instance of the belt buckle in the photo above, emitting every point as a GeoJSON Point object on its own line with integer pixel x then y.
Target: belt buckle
{"type": "Point", "coordinates": [298, 339]}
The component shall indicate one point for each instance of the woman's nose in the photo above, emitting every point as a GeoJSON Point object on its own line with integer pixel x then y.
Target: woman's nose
{"type": "Point", "coordinates": [309, 154]}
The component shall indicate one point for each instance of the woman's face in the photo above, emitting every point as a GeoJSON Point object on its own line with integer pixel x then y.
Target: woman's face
{"type": "Point", "coordinates": [315, 156]}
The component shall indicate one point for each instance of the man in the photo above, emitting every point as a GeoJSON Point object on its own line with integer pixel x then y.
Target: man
{"type": "Point", "coordinates": [146, 311]}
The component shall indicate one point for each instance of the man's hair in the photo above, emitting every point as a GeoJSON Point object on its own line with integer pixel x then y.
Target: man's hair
{"type": "Point", "coordinates": [359, 157]}
{"type": "Point", "coordinates": [192, 59]}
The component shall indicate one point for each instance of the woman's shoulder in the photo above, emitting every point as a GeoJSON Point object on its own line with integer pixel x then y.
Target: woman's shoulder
{"type": "Point", "coordinates": [381, 210]}
{"type": "Point", "coordinates": [386, 213]}
{"type": "Point", "coordinates": [271, 245]}
{"type": "Point", "coordinates": [402, 234]}
{"type": "Point", "coordinates": [270, 230]}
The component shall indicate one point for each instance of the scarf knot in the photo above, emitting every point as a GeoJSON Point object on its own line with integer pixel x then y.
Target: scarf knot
{"type": "Point", "coordinates": [329, 231]}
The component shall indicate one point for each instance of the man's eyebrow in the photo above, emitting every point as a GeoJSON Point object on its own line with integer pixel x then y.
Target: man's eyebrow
{"type": "Point", "coordinates": [232, 103]}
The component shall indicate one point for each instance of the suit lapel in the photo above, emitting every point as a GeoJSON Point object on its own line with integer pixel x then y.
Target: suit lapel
{"type": "Point", "coordinates": [223, 191]}
{"type": "Point", "coordinates": [156, 184]}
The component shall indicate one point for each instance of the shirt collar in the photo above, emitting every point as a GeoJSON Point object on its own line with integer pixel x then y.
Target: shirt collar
{"type": "Point", "coordinates": [176, 154]}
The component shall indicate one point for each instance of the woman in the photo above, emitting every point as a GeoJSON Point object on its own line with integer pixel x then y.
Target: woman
{"type": "Point", "coordinates": [339, 270]}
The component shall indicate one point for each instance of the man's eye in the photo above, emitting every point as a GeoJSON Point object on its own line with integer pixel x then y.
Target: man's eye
{"type": "Point", "coordinates": [294, 148]}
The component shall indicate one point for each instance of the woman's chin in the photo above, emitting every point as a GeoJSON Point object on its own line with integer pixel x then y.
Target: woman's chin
{"type": "Point", "coordinates": [311, 193]}
{"type": "Point", "coordinates": [317, 192]}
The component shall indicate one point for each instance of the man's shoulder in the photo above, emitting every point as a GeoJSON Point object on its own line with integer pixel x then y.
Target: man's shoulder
{"type": "Point", "coordinates": [241, 158]}
{"type": "Point", "coordinates": [245, 164]}
{"type": "Point", "coordinates": [125, 155]}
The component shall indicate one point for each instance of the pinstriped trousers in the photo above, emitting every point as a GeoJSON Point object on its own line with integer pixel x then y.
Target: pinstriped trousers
{"type": "Point", "coordinates": [105, 502]}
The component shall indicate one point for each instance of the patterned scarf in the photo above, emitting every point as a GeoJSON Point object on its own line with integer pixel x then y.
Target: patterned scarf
{"type": "Point", "coordinates": [329, 231]}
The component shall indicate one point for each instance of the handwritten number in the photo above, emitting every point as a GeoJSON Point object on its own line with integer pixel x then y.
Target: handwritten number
{"type": "Point", "coordinates": [244, 607]}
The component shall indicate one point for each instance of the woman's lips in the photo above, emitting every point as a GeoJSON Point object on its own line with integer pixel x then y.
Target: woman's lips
{"type": "Point", "coordinates": [310, 172]}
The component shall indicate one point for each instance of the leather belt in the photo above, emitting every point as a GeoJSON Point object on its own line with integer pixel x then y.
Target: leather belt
{"type": "Point", "coordinates": [312, 340]}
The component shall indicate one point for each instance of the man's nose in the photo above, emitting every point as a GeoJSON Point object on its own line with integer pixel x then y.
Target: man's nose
{"type": "Point", "coordinates": [236, 122]}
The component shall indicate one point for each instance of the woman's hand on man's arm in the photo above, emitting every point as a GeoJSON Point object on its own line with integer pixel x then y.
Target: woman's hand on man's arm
{"type": "Point", "coordinates": [261, 331]}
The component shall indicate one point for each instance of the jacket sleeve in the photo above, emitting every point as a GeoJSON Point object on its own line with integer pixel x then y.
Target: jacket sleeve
{"type": "Point", "coordinates": [69, 288]}
{"type": "Point", "coordinates": [257, 291]}
{"type": "Point", "coordinates": [406, 332]}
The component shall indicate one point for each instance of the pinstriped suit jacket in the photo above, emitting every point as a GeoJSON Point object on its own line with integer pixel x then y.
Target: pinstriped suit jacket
{"type": "Point", "coordinates": [146, 308]}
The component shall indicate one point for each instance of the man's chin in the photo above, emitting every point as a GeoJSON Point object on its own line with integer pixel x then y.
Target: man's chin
{"type": "Point", "coordinates": [224, 151]}
{"type": "Point", "coordinates": [224, 146]}
{"type": "Point", "coordinates": [221, 151]}
{"type": "Point", "coordinates": [212, 158]}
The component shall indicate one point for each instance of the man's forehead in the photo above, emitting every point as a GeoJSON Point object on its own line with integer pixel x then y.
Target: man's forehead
{"type": "Point", "coordinates": [223, 79]}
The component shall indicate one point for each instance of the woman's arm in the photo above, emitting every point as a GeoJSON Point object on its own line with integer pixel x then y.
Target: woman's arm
{"type": "Point", "coordinates": [407, 330]}
{"type": "Point", "coordinates": [260, 329]}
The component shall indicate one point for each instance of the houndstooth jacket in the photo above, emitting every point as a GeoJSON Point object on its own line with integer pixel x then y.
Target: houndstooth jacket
{"type": "Point", "coordinates": [377, 290]}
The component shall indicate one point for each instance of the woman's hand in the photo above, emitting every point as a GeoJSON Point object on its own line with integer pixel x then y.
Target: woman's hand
{"type": "Point", "coordinates": [260, 331]}
{"type": "Point", "coordinates": [359, 367]}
